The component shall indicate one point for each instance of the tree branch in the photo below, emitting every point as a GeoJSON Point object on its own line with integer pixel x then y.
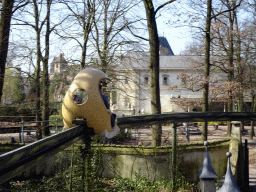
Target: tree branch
{"type": "Point", "coordinates": [20, 6]}
{"type": "Point", "coordinates": [228, 10]}
{"type": "Point", "coordinates": [136, 35]}
{"type": "Point", "coordinates": [161, 6]}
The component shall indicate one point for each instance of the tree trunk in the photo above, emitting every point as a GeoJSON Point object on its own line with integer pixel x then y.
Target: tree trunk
{"type": "Point", "coordinates": [46, 82]}
{"type": "Point", "coordinates": [205, 107]}
{"type": "Point", "coordinates": [230, 65]}
{"type": "Point", "coordinates": [6, 15]}
{"type": "Point", "coordinates": [103, 53]}
{"type": "Point", "coordinates": [83, 58]}
{"type": "Point", "coordinates": [154, 69]}
{"type": "Point", "coordinates": [87, 25]}
{"type": "Point", "coordinates": [240, 72]}
{"type": "Point", "coordinates": [252, 133]}
{"type": "Point", "coordinates": [37, 70]}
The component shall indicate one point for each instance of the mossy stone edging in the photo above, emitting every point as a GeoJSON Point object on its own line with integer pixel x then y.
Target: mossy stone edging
{"type": "Point", "coordinates": [135, 150]}
{"type": "Point", "coordinates": [152, 162]}
{"type": "Point", "coordinates": [156, 162]}
{"type": "Point", "coordinates": [162, 150]}
{"type": "Point", "coordinates": [7, 146]}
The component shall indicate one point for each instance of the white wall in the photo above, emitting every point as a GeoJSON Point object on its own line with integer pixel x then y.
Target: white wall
{"type": "Point", "coordinates": [139, 91]}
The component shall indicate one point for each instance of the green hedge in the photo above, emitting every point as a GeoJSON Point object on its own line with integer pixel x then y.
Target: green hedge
{"type": "Point", "coordinates": [16, 110]}
{"type": "Point", "coordinates": [26, 109]}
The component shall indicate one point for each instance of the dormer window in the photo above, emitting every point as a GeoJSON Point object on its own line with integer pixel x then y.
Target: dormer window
{"type": "Point", "coordinates": [126, 80]}
{"type": "Point", "coordinates": [127, 103]}
{"type": "Point", "coordinates": [165, 80]}
{"type": "Point", "coordinates": [146, 80]}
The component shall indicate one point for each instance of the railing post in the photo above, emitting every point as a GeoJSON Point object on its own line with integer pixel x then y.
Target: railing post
{"type": "Point", "coordinates": [56, 125]}
{"type": "Point", "coordinates": [187, 132]}
{"type": "Point", "coordinates": [236, 131]}
{"type": "Point", "coordinates": [174, 156]}
{"type": "Point", "coordinates": [229, 182]}
{"type": "Point", "coordinates": [246, 166]}
{"type": "Point", "coordinates": [207, 175]}
{"type": "Point", "coordinates": [235, 147]}
{"type": "Point", "coordinates": [87, 134]}
{"type": "Point", "coordinates": [22, 132]}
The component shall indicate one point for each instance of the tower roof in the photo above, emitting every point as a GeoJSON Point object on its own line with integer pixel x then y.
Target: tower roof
{"type": "Point", "coordinates": [164, 47]}
{"type": "Point", "coordinates": [60, 59]}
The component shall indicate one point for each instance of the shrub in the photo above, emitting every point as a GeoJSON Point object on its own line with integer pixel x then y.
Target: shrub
{"type": "Point", "coordinates": [56, 120]}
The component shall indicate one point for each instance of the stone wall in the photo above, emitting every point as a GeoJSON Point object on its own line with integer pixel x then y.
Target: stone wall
{"type": "Point", "coordinates": [156, 163]}
{"type": "Point", "coordinates": [153, 163]}
{"type": "Point", "coordinates": [6, 147]}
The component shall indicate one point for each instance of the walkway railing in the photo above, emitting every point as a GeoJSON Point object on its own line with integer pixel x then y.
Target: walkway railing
{"type": "Point", "coordinates": [15, 162]}
{"type": "Point", "coordinates": [136, 121]}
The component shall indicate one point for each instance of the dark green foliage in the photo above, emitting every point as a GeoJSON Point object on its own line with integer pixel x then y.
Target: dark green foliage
{"type": "Point", "coordinates": [60, 81]}
{"type": "Point", "coordinates": [122, 135]}
{"type": "Point", "coordinates": [7, 110]}
{"type": "Point", "coordinates": [71, 179]}
{"type": "Point", "coordinates": [55, 107]}
{"type": "Point", "coordinates": [119, 138]}
{"type": "Point", "coordinates": [17, 110]}
{"type": "Point", "coordinates": [12, 90]}
{"type": "Point", "coordinates": [56, 120]}
{"type": "Point", "coordinates": [60, 182]}
{"type": "Point", "coordinates": [25, 109]}
{"type": "Point", "coordinates": [56, 183]}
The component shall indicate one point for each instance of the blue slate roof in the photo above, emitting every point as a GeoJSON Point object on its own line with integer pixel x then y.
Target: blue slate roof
{"type": "Point", "coordinates": [140, 60]}
{"type": "Point", "coordinates": [164, 47]}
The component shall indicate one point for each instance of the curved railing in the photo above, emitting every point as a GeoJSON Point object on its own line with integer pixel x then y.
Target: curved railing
{"type": "Point", "coordinates": [15, 162]}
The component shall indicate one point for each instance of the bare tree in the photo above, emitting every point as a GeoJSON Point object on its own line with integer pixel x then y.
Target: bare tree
{"type": "Point", "coordinates": [6, 15]}
{"type": "Point", "coordinates": [46, 82]}
{"type": "Point", "coordinates": [251, 56]}
{"type": "Point", "coordinates": [248, 56]}
{"type": "Point", "coordinates": [154, 65]}
{"type": "Point", "coordinates": [7, 10]}
{"type": "Point", "coordinates": [111, 23]}
{"type": "Point", "coordinates": [225, 30]}
{"type": "Point", "coordinates": [81, 14]}
{"type": "Point", "coordinates": [211, 10]}
{"type": "Point", "coordinates": [40, 22]}
{"type": "Point", "coordinates": [207, 67]}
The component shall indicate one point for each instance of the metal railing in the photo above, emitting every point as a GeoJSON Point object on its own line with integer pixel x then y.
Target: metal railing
{"type": "Point", "coordinates": [135, 121]}
{"type": "Point", "coordinates": [17, 161]}
{"type": "Point", "coordinates": [27, 126]}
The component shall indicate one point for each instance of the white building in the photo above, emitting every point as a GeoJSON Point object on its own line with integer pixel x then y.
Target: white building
{"type": "Point", "coordinates": [133, 93]}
